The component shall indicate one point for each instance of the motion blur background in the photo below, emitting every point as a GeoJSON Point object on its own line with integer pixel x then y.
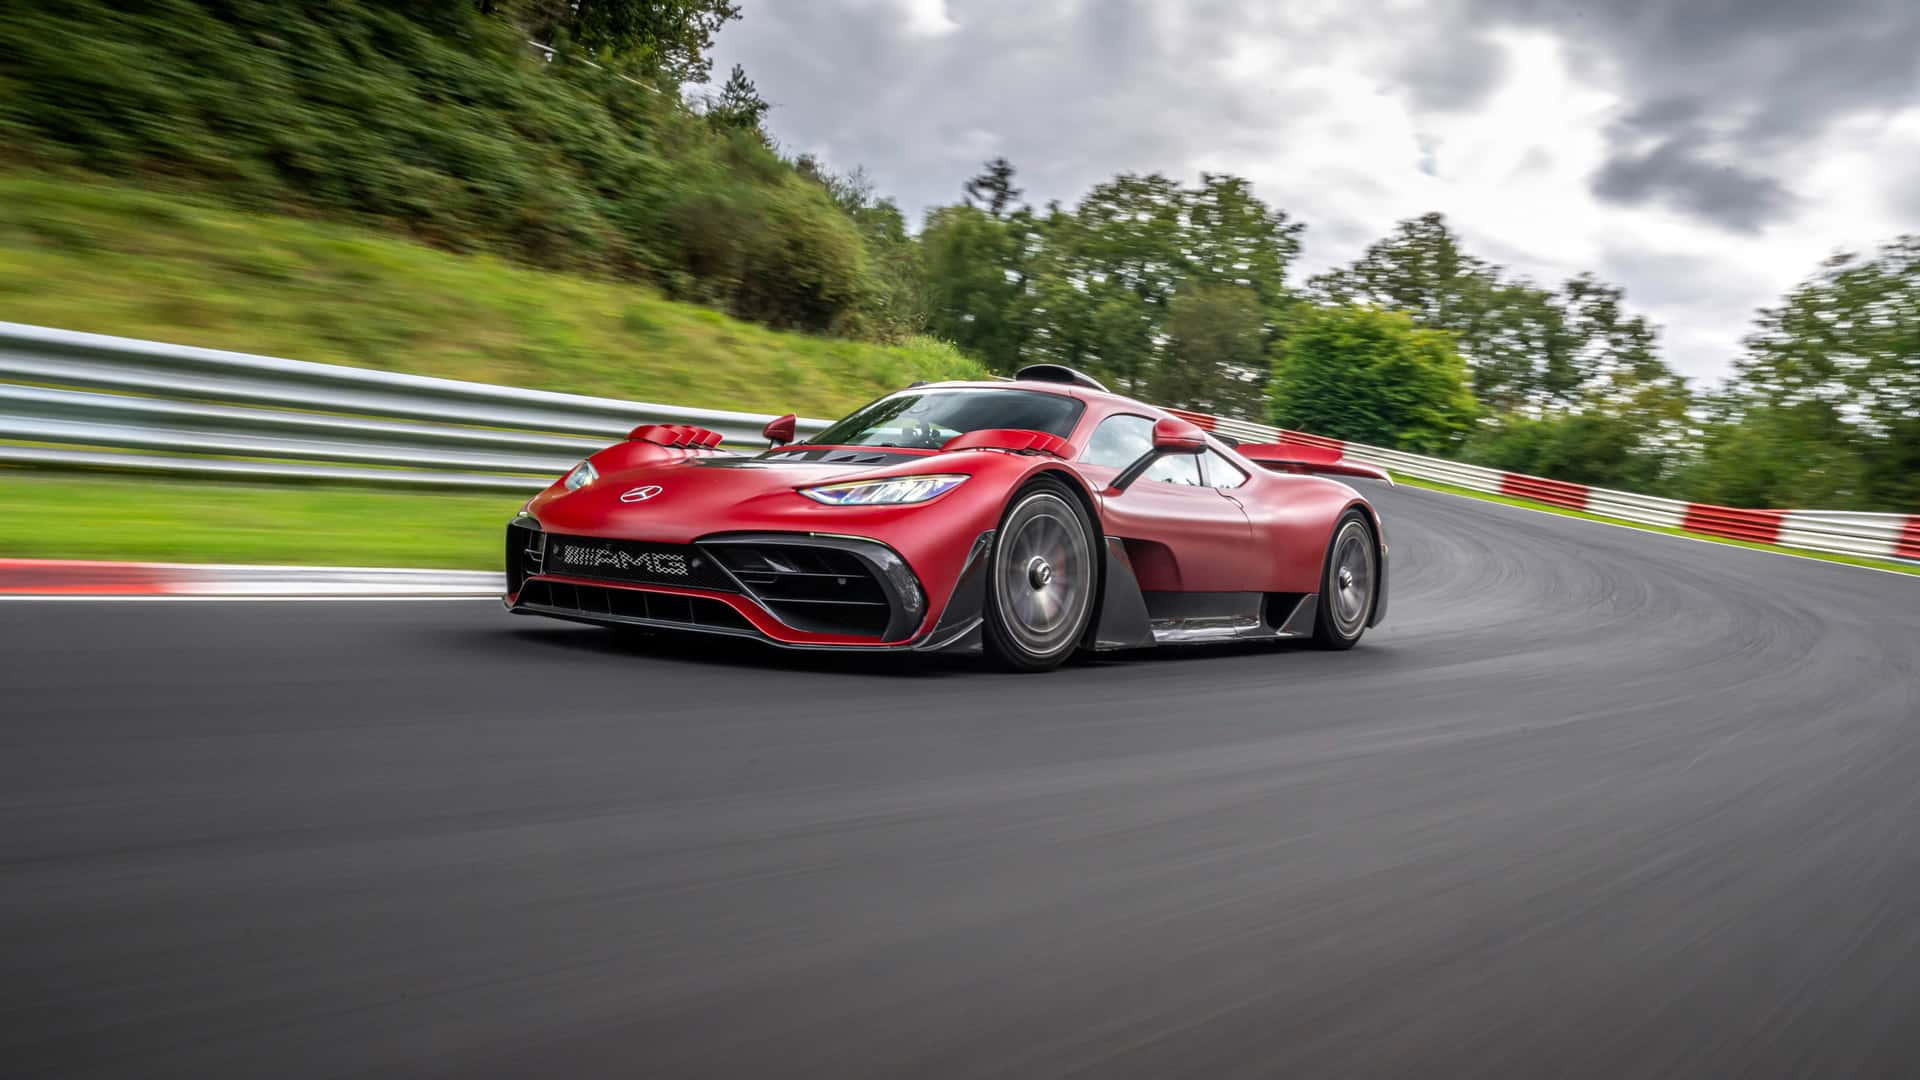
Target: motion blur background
{"type": "Point", "coordinates": [574, 197]}
{"type": "Point", "coordinates": [1590, 800]}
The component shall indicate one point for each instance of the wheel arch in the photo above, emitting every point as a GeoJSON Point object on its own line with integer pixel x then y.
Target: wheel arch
{"type": "Point", "coordinates": [1078, 486]}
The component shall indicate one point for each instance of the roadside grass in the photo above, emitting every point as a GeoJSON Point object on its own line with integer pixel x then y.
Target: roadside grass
{"type": "Point", "coordinates": [57, 515]}
{"type": "Point", "coordinates": [1529, 504]}
{"type": "Point", "coordinates": [85, 255]}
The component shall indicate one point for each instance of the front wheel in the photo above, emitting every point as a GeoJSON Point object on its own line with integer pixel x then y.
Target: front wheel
{"type": "Point", "coordinates": [1347, 584]}
{"type": "Point", "coordinates": [1040, 582]}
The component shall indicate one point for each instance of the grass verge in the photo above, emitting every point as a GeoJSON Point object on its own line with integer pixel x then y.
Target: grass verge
{"type": "Point", "coordinates": [1529, 504]}
{"type": "Point", "coordinates": [114, 260]}
{"type": "Point", "coordinates": [93, 516]}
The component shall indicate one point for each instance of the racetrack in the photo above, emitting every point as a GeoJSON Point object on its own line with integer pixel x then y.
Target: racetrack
{"type": "Point", "coordinates": [1592, 801]}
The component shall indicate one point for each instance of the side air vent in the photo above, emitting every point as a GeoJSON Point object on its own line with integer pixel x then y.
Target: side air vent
{"type": "Point", "coordinates": [526, 553]}
{"type": "Point", "coordinates": [1057, 373]}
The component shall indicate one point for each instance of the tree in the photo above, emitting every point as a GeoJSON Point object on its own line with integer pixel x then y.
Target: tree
{"type": "Point", "coordinates": [1121, 285]}
{"type": "Point", "coordinates": [1530, 349]}
{"type": "Point", "coordinates": [1233, 238]}
{"type": "Point", "coordinates": [668, 39]}
{"type": "Point", "coordinates": [739, 106]}
{"type": "Point", "coordinates": [1123, 250]}
{"type": "Point", "coordinates": [1421, 269]}
{"type": "Point", "coordinates": [1584, 448]}
{"type": "Point", "coordinates": [1216, 351]}
{"type": "Point", "coordinates": [1107, 278]}
{"type": "Point", "coordinates": [1371, 376]}
{"type": "Point", "coordinates": [972, 264]}
{"type": "Point", "coordinates": [853, 190]}
{"type": "Point", "coordinates": [894, 304]}
{"type": "Point", "coordinates": [1834, 372]}
{"type": "Point", "coordinates": [994, 187]}
{"type": "Point", "coordinates": [1795, 456]}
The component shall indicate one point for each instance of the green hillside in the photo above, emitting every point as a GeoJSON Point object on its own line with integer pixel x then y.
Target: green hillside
{"type": "Point", "coordinates": [114, 260]}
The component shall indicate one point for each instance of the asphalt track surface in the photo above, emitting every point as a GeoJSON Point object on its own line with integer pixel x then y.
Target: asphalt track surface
{"type": "Point", "coordinates": [1592, 802]}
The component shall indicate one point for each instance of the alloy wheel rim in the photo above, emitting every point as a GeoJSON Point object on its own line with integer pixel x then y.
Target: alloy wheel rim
{"type": "Point", "coordinates": [1353, 576]}
{"type": "Point", "coordinates": [1044, 569]}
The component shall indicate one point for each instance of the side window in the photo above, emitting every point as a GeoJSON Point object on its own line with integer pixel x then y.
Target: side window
{"type": "Point", "coordinates": [1222, 473]}
{"type": "Point", "coordinates": [1119, 441]}
{"type": "Point", "coordinates": [1175, 469]}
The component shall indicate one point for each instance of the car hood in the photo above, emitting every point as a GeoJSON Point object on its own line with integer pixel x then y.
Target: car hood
{"type": "Point", "coordinates": [679, 500]}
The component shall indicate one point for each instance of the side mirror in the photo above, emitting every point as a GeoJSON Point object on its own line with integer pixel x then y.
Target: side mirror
{"type": "Point", "coordinates": [1173, 436]}
{"type": "Point", "coordinates": [779, 430]}
{"type": "Point", "coordinates": [1170, 436]}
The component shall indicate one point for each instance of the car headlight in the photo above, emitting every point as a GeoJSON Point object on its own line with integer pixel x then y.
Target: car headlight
{"type": "Point", "coordinates": [580, 476]}
{"type": "Point", "coordinates": [895, 491]}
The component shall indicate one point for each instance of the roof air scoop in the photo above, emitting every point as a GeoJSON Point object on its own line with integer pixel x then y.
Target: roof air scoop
{"type": "Point", "coordinates": [1057, 373]}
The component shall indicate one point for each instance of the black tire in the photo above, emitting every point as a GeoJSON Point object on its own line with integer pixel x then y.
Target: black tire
{"type": "Point", "coordinates": [1349, 581]}
{"type": "Point", "coordinates": [1040, 579]}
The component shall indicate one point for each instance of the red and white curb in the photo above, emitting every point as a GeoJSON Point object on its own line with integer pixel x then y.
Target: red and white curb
{"type": "Point", "coordinates": [66, 579]}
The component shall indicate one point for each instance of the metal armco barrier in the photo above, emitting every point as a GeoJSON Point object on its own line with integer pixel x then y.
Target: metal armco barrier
{"type": "Point", "coordinates": [107, 402]}
{"type": "Point", "coordinates": [90, 401]}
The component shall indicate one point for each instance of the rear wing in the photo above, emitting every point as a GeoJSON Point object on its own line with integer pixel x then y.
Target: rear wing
{"type": "Point", "coordinates": [1302, 459]}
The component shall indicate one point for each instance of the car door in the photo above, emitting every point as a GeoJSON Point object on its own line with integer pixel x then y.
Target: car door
{"type": "Point", "coordinates": [1182, 535]}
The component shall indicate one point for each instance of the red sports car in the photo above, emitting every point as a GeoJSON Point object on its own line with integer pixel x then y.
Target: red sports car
{"type": "Point", "coordinates": [1031, 519]}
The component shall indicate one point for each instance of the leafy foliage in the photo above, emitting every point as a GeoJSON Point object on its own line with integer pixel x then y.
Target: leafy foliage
{"type": "Point", "coordinates": [1530, 349]}
{"type": "Point", "coordinates": [993, 188]}
{"type": "Point", "coordinates": [1372, 376]}
{"type": "Point", "coordinates": [667, 39]}
{"type": "Point", "coordinates": [739, 106]}
{"type": "Point", "coordinates": [1824, 407]}
{"type": "Point", "coordinates": [1216, 350]}
{"type": "Point", "coordinates": [1804, 455]}
{"type": "Point", "coordinates": [1122, 285]}
{"type": "Point", "coordinates": [1585, 448]}
{"type": "Point", "coordinates": [435, 120]}
{"type": "Point", "coordinates": [975, 269]}
{"type": "Point", "coordinates": [894, 302]}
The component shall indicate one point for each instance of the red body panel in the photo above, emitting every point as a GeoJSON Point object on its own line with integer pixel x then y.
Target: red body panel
{"type": "Point", "coordinates": [1293, 519]}
{"type": "Point", "coordinates": [1268, 535]}
{"type": "Point", "coordinates": [1180, 538]}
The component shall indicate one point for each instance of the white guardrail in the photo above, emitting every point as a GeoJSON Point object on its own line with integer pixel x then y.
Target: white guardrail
{"type": "Point", "coordinates": [74, 400]}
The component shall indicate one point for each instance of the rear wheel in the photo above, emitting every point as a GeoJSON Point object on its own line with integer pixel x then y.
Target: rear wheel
{"type": "Point", "coordinates": [1347, 584]}
{"type": "Point", "coordinates": [1040, 583]}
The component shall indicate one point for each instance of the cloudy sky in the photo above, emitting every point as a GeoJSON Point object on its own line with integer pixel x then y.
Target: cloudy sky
{"type": "Point", "coordinates": [1704, 154]}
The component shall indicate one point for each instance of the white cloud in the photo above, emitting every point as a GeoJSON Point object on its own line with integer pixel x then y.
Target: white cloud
{"type": "Point", "coordinates": [1554, 142]}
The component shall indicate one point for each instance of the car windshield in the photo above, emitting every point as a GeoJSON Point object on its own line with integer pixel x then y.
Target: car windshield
{"type": "Point", "coordinates": [926, 419]}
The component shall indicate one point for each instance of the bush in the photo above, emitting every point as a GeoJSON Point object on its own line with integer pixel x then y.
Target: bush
{"type": "Point", "coordinates": [1371, 376]}
{"type": "Point", "coordinates": [1587, 448]}
{"type": "Point", "coordinates": [432, 120]}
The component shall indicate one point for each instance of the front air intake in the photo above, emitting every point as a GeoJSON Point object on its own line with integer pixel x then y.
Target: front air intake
{"type": "Point", "coordinates": [818, 589]}
{"type": "Point", "coordinates": [632, 605]}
